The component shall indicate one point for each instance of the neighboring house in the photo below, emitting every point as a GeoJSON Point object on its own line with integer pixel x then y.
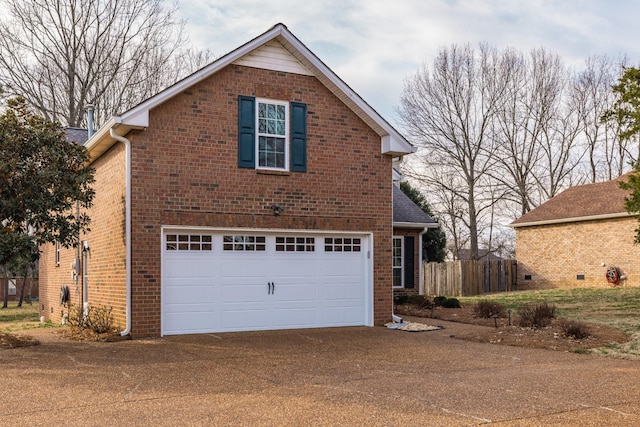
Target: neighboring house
{"type": "Point", "coordinates": [254, 194]}
{"type": "Point", "coordinates": [572, 239]}
{"type": "Point", "coordinates": [409, 224]}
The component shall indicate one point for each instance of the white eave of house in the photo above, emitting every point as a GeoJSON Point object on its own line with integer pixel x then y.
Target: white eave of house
{"type": "Point", "coordinates": [392, 142]}
{"type": "Point", "coordinates": [573, 219]}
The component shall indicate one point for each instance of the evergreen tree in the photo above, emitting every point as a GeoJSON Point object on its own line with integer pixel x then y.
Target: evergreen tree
{"type": "Point", "coordinates": [434, 241]}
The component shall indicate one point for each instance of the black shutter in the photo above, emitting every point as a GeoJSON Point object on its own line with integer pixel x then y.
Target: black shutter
{"type": "Point", "coordinates": [409, 264]}
{"type": "Point", "coordinates": [246, 132]}
{"type": "Point", "coordinates": [298, 149]}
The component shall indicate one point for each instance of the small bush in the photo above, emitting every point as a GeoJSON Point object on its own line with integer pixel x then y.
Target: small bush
{"type": "Point", "coordinates": [98, 319]}
{"type": "Point", "coordinates": [488, 309]}
{"type": "Point", "coordinates": [537, 315]}
{"type": "Point", "coordinates": [575, 330]}
{"type": "Point", "coordinates": [438, 301]}
{"type": "Point", "coordinates": [451, 303]}
{"type": "Point", "coordinates": [420, 301]}
{"type": "Point", "coordinates": [401, 299]}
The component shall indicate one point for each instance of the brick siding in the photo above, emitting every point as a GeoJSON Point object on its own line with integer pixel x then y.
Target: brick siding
{"type": "Point", "coordinates": [554, 255]}
{"type": "Point", "coordinates": [106, 258]}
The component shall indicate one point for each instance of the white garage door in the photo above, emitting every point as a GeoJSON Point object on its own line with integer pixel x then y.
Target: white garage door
{"type": "Point", "coordinates": [247, 280]}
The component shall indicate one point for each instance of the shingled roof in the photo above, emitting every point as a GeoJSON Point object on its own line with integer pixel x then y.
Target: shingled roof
{"type": "Point", "coordinates": [77, 135]}
{"type": "Point", "coordinates": [407, 213]}
{"type": "Point", "coordinates": [601, 200]}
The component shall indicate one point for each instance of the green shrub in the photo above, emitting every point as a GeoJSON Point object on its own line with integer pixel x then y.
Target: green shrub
{"type": "Point", "coordinates": [451, 303]}
{"type": "Point", "coordinates": [574, 329]}
{"type": "Point", "coordinates": [488, 309]}
{"type": "Point", "coordinates": [537, 315]}
{"type": "Point", "coordinates": [438, 301]}
{"type": "Point", "coordinates": [420, 301]}
{"type": "Point", "coordinates": [401, 299]}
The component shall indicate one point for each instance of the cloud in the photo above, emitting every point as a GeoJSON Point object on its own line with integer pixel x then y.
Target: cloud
{"type": "Point", "coordinates": [374, 45]}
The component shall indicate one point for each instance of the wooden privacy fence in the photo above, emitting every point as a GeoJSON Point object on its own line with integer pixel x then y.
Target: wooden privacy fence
{"type": "Point", "coordinates": [466, 278]}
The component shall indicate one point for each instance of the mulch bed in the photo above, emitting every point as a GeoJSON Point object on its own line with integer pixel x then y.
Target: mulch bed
{"type": "Point", "coordinates": [8, 340]}
{"type": "Point", "coordinates": [507, 332]}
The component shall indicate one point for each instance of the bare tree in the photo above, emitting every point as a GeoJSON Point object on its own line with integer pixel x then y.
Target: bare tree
{"type": "Point", "coordinates": [63, 54]}
{"type": "Point", "coordinates": [448, 110]}
{"type": "Point", "coordinates": [592, 94]}
{"type": "Point", "coordinates": [534, 89]}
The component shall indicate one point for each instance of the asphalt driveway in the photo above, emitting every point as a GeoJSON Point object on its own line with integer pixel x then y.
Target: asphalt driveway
{"type": "Point", "coordinates": [346, 376]}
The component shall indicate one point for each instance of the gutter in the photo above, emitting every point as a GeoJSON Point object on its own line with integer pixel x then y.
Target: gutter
{"type": "Point", "coordinates": [574, 219]}
{"type": "Point", "coordinates": [127, 145]}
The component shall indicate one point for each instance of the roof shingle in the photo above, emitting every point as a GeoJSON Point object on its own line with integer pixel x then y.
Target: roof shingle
{"type": "Point", "coordinates": [589, 200]}
{"type": "Point", "coordinates": [404, 210]}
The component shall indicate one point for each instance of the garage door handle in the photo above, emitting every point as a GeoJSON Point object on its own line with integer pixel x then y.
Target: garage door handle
{"type": "Point", "coordinates": [271, 288]}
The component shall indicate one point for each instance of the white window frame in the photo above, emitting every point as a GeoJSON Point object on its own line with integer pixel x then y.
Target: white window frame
{"type": "Point", "coordinates": [287, 124]}
{"type": "Point", "coordinates": [401, 267]}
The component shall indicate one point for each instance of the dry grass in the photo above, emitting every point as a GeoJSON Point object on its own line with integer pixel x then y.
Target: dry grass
{"type": "Point", "coordinates": [618, 308]}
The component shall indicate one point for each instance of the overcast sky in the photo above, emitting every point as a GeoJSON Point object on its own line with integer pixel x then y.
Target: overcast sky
{"type": "Point", "coordinates": [373, 45]}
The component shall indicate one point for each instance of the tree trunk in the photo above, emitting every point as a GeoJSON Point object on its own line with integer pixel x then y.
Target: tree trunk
{"type": "Point", "coordinates": [5, 287]}
{"type": "Point", "coordinates": [24, 284]}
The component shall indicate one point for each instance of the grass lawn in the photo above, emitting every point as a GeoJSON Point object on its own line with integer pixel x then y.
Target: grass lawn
{"type": "Point", "coordinates": [15, 319]}
{"type": "Point", "coordinates": [615, 307]}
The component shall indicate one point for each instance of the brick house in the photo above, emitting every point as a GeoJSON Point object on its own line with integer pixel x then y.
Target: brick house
{"type": "Point", "coordinates": [574, 238]}
{"type": "Point", "coordinates": [254, 194]}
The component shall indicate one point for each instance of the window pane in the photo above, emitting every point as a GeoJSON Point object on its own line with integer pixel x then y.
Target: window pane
{"type": "Point", "coordinates": [397, 277]}
{"type": "Point", "coordinates": [262, 125]}
{"type": "Point", "coordinates": [262, 108]}
{"type": "Point", "coordinates": [280, 115]}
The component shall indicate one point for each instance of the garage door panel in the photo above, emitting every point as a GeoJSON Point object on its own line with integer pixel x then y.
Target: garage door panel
{"type": "Point", "coordinates": [337, 316]}
{"type": "Point", "coordinates": [190, 322]}
{"type": "Point", "coordinates": [242, 267]}
{"type": "Point", "coordinates": [295, 267]}
{"type": "Point", "coordinates": [342, 291]}
{"type": "Point", "coordinates": [185, 294]}
{"type": "Point", "coordinates": [241, 293]}
{"type": "Point", "coordinates": [247, 318]}
{"type": "Point", "coordinates": [196, 268]}
{"type": "Point", "coordinates": [296, 318]}
{"type": "Point", "coordinates": [295, 292]}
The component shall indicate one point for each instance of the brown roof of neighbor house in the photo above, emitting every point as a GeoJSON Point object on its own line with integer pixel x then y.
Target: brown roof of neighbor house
{"type": "Point", "coordinates": [579, 203]}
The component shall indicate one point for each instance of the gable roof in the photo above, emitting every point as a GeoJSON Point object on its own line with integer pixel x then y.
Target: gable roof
{"type": "Point", "coordinates": [602, 200]}
{"type": "Point", "coordinates": [392, 142]}
{"type": "Point", "coordinates": [407, 214]}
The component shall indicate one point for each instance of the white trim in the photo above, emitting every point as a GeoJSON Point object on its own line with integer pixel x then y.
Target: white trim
{"type": "Point", "coordinates": [416, 225]}
{"type": "Point", "coordinates": [287, 125]}
{"type": "Point", "coordinates": [575, 219]}
{"type": "Point", "coordinates": [393, 267]}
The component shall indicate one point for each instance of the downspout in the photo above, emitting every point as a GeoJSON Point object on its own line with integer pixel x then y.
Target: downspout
{"type": "Point", "coordinates": [127, 145]}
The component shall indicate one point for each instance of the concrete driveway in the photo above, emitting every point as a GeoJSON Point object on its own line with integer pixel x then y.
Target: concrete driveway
{"type": "Point", "coordinates": [346, 376]}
